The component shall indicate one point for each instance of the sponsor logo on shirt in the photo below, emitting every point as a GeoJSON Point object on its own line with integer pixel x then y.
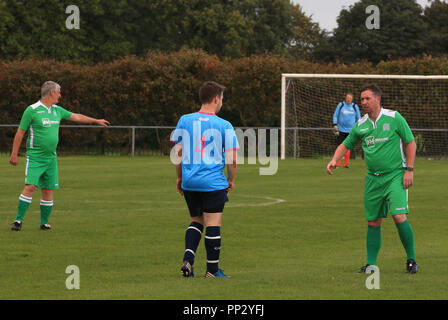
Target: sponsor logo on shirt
{"type": "Point", "coordinates": [371, 141]}
{"type": "Point", "coordinates": [47, 122]}
{"type": "Point", "coordinates": [204, 119]}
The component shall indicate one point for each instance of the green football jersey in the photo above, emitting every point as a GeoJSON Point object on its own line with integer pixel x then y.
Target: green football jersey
{"type": "Point", "coordinates": [382, 141]}
{"type": "Point", "coordinates": [43, 126]}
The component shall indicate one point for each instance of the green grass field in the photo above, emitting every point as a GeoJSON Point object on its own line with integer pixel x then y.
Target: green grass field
{"type": "Point", "coordinates": [121, 221]}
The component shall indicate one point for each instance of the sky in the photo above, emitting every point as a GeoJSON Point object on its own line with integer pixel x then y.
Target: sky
{"type": "Point", "coordinates": [325, 12]}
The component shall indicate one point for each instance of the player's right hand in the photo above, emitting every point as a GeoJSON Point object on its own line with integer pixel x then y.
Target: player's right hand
{"type": "Point", "coordinates": [179, 186]}
{"type": "Point", "coordinates": [14, 160]}
{"type": "Point", "coordinates": [331, 165]}
{"type": "Point", "coordinates": [231, 184]}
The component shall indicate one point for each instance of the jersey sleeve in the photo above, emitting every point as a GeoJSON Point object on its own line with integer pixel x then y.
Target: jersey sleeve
{"type": "Point", "coordinates": [65, 114]}
{"type": "Point", "coordinates": [403, 129]}
{"type": "Point", "coordinates": [353, 138]}
{"type": "Point", "coordinates": [230, 138]}
{"type": "Point", "coordinates": [177, 135]}
{"type": "Point", "coordinates": [26, 119]}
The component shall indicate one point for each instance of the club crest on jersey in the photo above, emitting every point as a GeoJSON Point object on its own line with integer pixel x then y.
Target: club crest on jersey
{"type": "Point", "coordinates": [55, 114]}
{"type": "Point", "coordinates": [386, 127]}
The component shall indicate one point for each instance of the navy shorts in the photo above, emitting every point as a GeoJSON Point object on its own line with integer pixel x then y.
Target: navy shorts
{"type": "Point", "coordinates": [341, 137]}
{"type": "Point", "coordinates": [211, 202]}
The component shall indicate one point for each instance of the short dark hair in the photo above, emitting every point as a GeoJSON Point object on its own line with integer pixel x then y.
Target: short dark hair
{"type": "Point", "coordinates": [209, 90]}
{"type": "Point", "coordinates": [374, 88]}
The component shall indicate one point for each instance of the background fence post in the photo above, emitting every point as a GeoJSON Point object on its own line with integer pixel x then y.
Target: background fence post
{"type": "Point", "coordinates": [133, 142]}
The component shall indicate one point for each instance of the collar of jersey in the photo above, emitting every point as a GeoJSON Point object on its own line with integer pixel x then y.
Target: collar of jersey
{"type": "Point", "coordinates": [377, 118]}
{"type": "Point", "coordinates": [210, 114]}
{"type": "Point", "coordinates": [40, 104]}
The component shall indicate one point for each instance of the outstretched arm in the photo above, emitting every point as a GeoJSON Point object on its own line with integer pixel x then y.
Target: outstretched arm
{"type": "Point", "coordinates": [14, 159]}
{"type": "Point", "coordinates": [80, 118]}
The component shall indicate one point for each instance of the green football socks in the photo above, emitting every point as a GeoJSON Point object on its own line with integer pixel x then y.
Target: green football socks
{"type": "Point", "coordinates": [24, 204]}
{"type": "Point", "coordinates": [407, 238]}
{"type": "Point", "coordinates": [45, 211]}
{"type": "Point", "coordinates": [373, 244]}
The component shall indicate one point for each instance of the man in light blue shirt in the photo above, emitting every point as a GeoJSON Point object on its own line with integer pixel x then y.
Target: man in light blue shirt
{"type": "Point", "coordinates": [344, 118]}
{"type": "Point", "coordinates": [205, 143]}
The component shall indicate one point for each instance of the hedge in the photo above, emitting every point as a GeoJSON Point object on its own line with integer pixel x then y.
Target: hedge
{"type": "Point", "coordinates": [157, 89]}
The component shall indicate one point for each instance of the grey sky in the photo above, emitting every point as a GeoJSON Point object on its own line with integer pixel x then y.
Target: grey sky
{"type": "Point", "coordinates": [325, 12]}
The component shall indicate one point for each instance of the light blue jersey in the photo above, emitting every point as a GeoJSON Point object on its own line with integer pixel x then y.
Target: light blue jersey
{"type": "Point", "coordinates": [345, 116]}
{"type": "Point", "coordinates": [205, 138]}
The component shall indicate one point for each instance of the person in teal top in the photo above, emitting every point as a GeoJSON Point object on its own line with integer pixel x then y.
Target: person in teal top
{"type": "Point", "coordinates": [389, 147]}
{"type": "Point", "coordinates": [42, 120]}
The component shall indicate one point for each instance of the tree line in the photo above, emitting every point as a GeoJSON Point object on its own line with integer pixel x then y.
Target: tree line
{"type": "Point", "coordinates": [226, 28]}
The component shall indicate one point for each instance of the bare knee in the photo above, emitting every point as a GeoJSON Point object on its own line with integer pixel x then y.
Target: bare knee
{"type": "Point", "coordinates": [29, 190]}
{"type": "Point", "coordinates": [199, 220]}
{"type": "Point", "coordinates": [376, 223]}
{"type": "Point", "coordinates": [399, 218]}
{"type": "Point", "coordinates": [47, 194]}
{"type": "Point", "coordinates": [213, 219]}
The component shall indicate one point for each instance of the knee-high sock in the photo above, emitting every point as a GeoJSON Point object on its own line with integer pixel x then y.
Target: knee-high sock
{"type": "Point", "coordinates": [24, 204]}
{"type": "Point", "coordinates": [407, 238]}
{"type": "Point", "coordinates": [213, 247]}
{"type": "Point", "coordinates": [45, 210]}
{"type": "Point", "coordinates": [373, 244]}
{"type": "Point", "coordinates": [192, 239]}
{"type": "Point", "coordinates": [346, 158]}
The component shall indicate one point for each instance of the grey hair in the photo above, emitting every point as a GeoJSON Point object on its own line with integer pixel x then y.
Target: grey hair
{"type": "Point", "coordinates": [47, 87]}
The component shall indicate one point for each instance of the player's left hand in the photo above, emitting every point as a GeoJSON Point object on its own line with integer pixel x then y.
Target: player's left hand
{"type": "Point", "coordinates": [103, 122]}
{"type": "Point", "coordinates": [408, 179]}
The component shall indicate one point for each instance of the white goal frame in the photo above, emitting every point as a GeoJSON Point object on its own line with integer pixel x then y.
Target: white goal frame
{"type": "Point", "coordinates": [286, 76]}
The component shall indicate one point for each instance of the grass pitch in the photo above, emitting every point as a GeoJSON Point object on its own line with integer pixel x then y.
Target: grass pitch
{"type": "Point", "coordinates": [299, 234]}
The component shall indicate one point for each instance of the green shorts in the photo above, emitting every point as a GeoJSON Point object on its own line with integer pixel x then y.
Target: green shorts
{"type": "Point", "coordinates": [383, 194]}
{"type": "Point", "coordinates": [42, 173]}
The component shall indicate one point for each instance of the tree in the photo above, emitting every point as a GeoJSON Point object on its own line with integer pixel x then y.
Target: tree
{"type": "Point", "coordinates": [401, 33]}
{"type": "Point", "coordinates": [110, 29]}
{"type": "Point", "coordinates": [436, 16]}
{"type": "Point", "coordinates": [307, 35]}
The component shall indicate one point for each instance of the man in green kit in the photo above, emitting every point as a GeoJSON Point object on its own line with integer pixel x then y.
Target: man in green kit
{"type": "Point", "coordinates": [389, 149]}
{"type": "Point", "coordinates": [41, 169]}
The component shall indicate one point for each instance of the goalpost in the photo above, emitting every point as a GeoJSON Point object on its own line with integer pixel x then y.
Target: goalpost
{"type": "Point", "coordinates": [308, 103]}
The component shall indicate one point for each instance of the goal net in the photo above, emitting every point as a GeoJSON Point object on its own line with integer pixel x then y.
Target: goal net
{"type": "Point", "coordinates": [309, 102]}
